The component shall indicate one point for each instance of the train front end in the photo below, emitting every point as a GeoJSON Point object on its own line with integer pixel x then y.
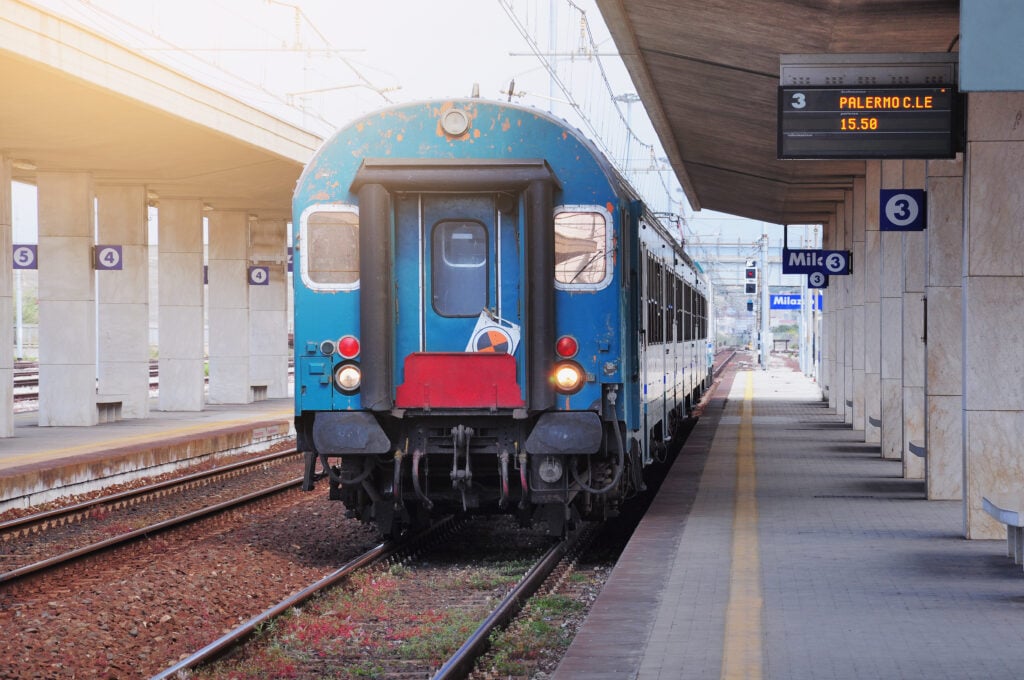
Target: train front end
{"type": "Point", "coordinates": [457, 317]}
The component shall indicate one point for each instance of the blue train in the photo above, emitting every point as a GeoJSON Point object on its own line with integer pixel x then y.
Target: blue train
{"type": "Point", "coordinates": [487, 319]}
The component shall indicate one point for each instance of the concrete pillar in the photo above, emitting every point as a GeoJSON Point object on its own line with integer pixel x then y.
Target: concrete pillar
{"type": "Point", "coordinates": [872, 307]}
{"type": "Point", "coordinates": [6, 302]}
{"type": "Point", "coordinates": [858, 207]}
{"type": "Point", "coordinates": [944, 350]}
{"type": "Point", "coordinates": [892, 326]}
{"type": "Point", "coordinates": [837, 288]}
{"type": "Point", "coordinates": [848, 312]}
{"type": "Point", "coordinates": [993, 291]}
{"type": "Point", "coordinates": [180, 291]}
{"type": "Point", "coordinates": [268, 310]}
{"type": "Point", "coordinates": [67, 300]}
{"type": "Point", "coordinates": [229, 308]}
{"type": "Point", "coordinates": [914, 260]}
{"type": "Point", "coordinates": [124, 300]}
{"type": "Point", "coordinates": [828, 350]}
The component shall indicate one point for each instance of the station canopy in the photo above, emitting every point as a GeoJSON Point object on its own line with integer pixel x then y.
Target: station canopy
{"type": "Point", "coordinates": [707, 72]}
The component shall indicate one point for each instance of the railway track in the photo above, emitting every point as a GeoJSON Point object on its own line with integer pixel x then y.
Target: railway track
{"type": "Point", "coordinates": [26, 380]}
{"type": "Point", "coordinates": [18, 547]}
{"type": "Point", "coordinates": [419, 548]}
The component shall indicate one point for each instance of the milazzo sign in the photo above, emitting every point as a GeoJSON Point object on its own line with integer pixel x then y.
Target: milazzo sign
{"type": "Point", "coordinates": [830, 262]}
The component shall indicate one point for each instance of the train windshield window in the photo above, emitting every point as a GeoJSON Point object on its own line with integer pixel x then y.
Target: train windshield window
{"type": "Point", "coordinates": [581, 248]}
{"type": "Point", "coordinates": [459, 265]}
{"type": "Point", "coordinates": [330, 244]}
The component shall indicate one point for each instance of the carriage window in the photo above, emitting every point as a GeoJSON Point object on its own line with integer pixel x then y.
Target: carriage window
{"type": "Point", "coordinates": [581, 248]}
{"type": "Point", "coordinates": [459, 265]}
{"type": "Point", "coordinates": [330, 248]}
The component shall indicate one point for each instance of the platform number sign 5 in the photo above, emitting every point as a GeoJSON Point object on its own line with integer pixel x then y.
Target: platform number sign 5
{"type": "Point", "coordinates": [25, 256]}
{"type": "Point", "coordinates": [259, 276]}
{"type": "Point", "coordinates": [107, 258]}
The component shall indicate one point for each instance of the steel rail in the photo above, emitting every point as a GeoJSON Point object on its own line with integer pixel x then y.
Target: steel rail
{"type": "Point", "coordinates": [461, 662]}
{"type": "Point", "coordinates": [46, 515]}
{"type": "Point", "coordinates": [21, 572]}
{"type": "Point", "coordinates": [242, 632]}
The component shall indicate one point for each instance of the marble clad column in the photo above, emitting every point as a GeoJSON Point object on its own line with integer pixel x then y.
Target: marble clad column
{"type": "Point", "coordinates": [857, 201]}
{"type": "Point", "coordinates": [872, 306]}
{"type": "Point", "coordinates": [892, 326]}
{"type": "Point", "coordinates": [944, 351]}
{"type": "Point", "coordinates": [67, 300]}
{"type": "Point", "coordinates": [180, 292]}
{"type": "Point", "coordinates": [848, 311]}
{"type": "Point", "coordinates": [228, 304]}
{"type": "Point", "coordinates": [6, 302]}
{"type": "Point", "coordinates": [828, 379]}
{"type": "Point", "coordinates": [993, 291]}
{"type": "Point", "coordinates": [837, 288]}
{"type": "Point", "coordinates": [268, 308]}
{"type": "Point", "coordinates": [914, 260]}
{"type": "Point", "coordinates": [124, 299]}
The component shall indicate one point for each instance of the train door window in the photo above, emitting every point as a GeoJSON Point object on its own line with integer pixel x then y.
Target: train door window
{"type": "Point", "coordinates": [329, 247]}
{"type": "Point", "coordinates": [582, 248]}
{"type": "Point", "coordinates": [459, 266]}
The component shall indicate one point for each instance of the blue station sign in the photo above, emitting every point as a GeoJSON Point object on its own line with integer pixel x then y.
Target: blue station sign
{"type": "Point", "coordinates": [786, 302]}
{"type": "Point", "coordinates": [828, 262]}
{"type": "Point", "coordinates": [793, 301]}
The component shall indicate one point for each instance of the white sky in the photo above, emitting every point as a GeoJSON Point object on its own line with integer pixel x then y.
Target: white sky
{"type": "Point", "coordinates": [408, 49]}
{"type": "Point", "coordinates": [413, 49]}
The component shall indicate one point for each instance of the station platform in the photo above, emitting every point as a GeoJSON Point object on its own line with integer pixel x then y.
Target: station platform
{"type": "Point", "coordinates": [781, 546]}
{"type": "Point", "coordinates": [39, 464]}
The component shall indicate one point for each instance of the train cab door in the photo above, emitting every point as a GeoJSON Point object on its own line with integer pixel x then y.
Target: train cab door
{"type": "Point", "coordinates": [457, 274]}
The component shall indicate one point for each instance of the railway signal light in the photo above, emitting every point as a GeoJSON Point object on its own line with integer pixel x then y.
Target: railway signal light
{"type": "Point", "coordinates": [750, 276]}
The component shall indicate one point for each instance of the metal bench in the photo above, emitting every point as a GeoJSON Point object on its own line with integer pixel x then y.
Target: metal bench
{"type": "Point", "coordinates": [1008, 511]}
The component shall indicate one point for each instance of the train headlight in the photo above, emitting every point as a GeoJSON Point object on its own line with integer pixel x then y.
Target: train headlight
{"type": "Point", "coordinates": [568, 377]}
{"type": "Point", "coordinates": [348, 377]}
{"type": "Point", "coordinates": [550, 469]}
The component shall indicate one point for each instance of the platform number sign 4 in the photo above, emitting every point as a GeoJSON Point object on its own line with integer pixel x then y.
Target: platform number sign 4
{"type": "Point", "coordinates": [107, 258]}
{"type": "Point", "coordinates": [25, 256]}
{"type": "Point", "coordinates": [259, 276]}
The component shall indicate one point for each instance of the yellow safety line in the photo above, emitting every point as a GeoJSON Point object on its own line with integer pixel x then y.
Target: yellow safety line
{"type": "Point", "coordinates": [22, 459]}
{"type": "Point", "coordinates": [742, 653]}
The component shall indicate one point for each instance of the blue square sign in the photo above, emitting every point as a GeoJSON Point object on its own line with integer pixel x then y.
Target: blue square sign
{"type": "Point", "coordinates": [902, 210]}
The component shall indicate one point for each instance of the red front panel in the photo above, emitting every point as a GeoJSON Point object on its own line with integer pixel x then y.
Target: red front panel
{"type": "Point", "coordinates": [459, 380]}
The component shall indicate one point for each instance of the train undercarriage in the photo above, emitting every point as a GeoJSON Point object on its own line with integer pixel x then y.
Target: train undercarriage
{"type": "Point", "coordinates": [552, 471]}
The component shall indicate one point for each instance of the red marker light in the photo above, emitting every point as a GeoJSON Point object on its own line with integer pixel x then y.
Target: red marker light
{"type": "Point", "coordinates": [348, 347]}
{"type": "Point", "coordinates": [567, 346]}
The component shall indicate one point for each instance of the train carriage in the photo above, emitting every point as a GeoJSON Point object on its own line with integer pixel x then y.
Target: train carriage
{"type": "Point", "coordinates": [487, 319]}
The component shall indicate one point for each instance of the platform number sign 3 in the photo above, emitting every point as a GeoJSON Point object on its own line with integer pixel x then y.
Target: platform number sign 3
{"type": "Point", "coordinates": [902, 210]}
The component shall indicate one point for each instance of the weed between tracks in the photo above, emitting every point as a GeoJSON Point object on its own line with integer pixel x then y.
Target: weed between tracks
{"type": "Point", "coordinates": [380, 624]}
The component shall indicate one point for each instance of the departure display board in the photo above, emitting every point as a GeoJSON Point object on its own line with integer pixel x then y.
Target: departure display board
{"type": "Point", "coordinates": [877, 122]}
